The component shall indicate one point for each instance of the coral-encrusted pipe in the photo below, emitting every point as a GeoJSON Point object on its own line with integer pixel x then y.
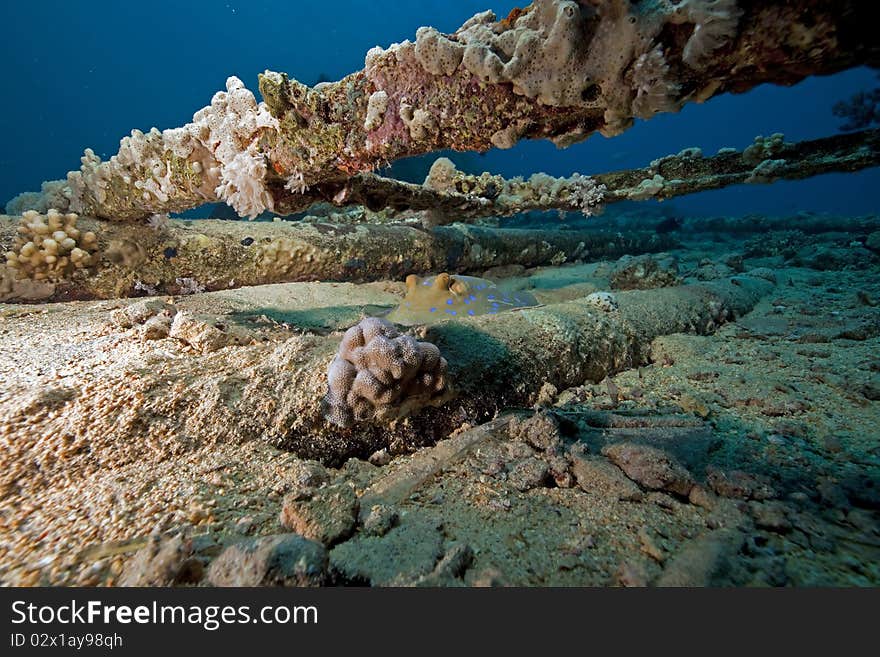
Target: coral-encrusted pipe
{"type": "Point", "coordinates": [450, 195]}
{"type": "Point", "coordinates": [502, 361]}
{"type": "Point", "coordinates": [273, 391]}
{"type": "Point", "coordinates": [557, 69]}
{"type": "Point", "coordinates": [210, 254]}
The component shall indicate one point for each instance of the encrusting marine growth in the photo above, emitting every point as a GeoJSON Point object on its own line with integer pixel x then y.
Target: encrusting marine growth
{"type": "Point", "coordinates": [216, 156]}
{"type": "Point", "coordinates": [50, 247]}
{"type": "Point", "coordinates": [556, 69]}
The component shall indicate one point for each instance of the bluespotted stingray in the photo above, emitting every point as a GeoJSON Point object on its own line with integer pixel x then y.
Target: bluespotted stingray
{"type": "Point", "coordinates": [446, 296]}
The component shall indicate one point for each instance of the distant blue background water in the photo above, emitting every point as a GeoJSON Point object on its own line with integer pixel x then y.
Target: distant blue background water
{"type": "Point", "coordinates": [83, 74]}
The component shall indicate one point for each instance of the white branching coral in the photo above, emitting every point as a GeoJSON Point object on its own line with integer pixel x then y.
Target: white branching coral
{"type": "Point", "coordinates": [655, 90]}
{"type": "Point", "coordinates": [296, 183]}
{"type": "Point", "coordinates": [189, 285]}
{"type": "Point", "coordinates": [242, 186]}
{"type": "Point", "coordinates": [233, 124]}
{"type": "Point", "coordinates": [216, 155]}
{"type": "Point", "coordinates": [589, 195]}
{"type": "Point", "coordinates": [580, 191]}
{"type": "Point", "coordinates": [158, 222]}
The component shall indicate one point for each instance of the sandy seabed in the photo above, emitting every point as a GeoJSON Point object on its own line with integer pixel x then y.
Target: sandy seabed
{"type": "Point", "coordinates": [746, 457]}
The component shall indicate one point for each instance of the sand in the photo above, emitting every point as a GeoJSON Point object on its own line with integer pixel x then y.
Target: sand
{"type": "Point", "coordinates": [783, 401]}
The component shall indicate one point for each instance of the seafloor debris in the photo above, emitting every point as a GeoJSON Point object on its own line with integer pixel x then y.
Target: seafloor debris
{"type": "Point", "coordinates": [279, 560]}
{"type": "Point", "coordinates": [650, 467]}
{"type": "Point", "coordinates": [326, 515]}
{"type": "Point", "coordinates": [396, 486]}
{"type": "Point", "coordinates": [561, 70]}
{"type": "Point", "coordinates": [435, 298]}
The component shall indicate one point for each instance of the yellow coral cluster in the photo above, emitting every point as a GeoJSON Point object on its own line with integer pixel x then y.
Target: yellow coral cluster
{"type": "Point", "coordinates": [50, 247]}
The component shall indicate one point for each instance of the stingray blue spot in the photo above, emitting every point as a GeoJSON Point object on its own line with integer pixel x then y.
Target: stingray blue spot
{"type": "Point", "coordinates": [471, 313]}
{"type": "Point", "coordinates": [472, 298]}
{"type": "Point", "coordinates": [426, 282]}
{"type": "Point", "coordinates": [490, 296]}
{"type": "Point", "coordinates": [433, 310]}
{"type": "Point", "coordinates": [494, 304]}
{"type": "Point", "coordinates": [493, 311]}
{"type": "Point", "coordinates": [506, 299]}
{"type": "Point", "coordinates": [481, 286]}
{"type": "Point", "coordinates": [467, 301]}
{"type": "Point", "coordinates": [449, 302]}
{"type": "Point", "coordinates": [451, 312]}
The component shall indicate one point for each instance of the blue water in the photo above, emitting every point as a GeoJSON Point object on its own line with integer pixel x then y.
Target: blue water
{"type": "Point", "coordinates": [83, 74]}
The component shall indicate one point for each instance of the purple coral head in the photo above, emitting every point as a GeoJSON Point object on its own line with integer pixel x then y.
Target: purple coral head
{"type": "Point", "coordinates": [378, 373]}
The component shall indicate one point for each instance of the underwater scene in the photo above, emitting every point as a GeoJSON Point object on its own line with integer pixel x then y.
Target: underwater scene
{"type": "Point", "coordinates": [466, 293]}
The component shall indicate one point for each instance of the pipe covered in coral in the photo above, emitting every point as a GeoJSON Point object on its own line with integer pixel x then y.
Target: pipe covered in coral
{"type": "Point", "coordinates": [180, 257]}
{"type": "Point", "coordinates": [557, 70]}
{"type": "Point", "coordinates": [496, 362]}
{"type": "Point", "coordinates": [272, 391]}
